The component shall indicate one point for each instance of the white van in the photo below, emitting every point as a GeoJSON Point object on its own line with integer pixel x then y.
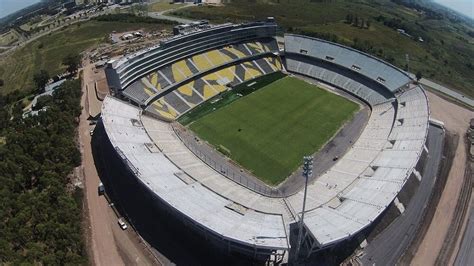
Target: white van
{"type": "Point", "coordinates": [122, 224]}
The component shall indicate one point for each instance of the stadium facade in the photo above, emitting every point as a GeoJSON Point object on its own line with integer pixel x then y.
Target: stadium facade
{"type": "Point", "coordinates": [163, 82]}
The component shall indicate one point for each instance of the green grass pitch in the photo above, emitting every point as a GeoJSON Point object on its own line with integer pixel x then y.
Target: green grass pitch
{"type": "Point", "coordinates": [270, 130]}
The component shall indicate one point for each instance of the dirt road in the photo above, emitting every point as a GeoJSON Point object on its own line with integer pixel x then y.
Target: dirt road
{"type": "Point", "coordinates": [456, 120]}
{"type": "Point", "coordinates": [109, 245]}
{"type": "Point", "coordinates": [102, 240]}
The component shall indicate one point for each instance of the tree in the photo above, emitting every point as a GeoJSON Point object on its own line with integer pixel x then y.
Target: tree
{"type": "Point", "coordinates": [418, 75]}
{"type": "Point", "coordinates": [39, 217]}
{"type": "Point", "coordinates": [72, 61]}
{"type": "Point", "coordinates": [42, 102]}
{"type": "Point", "coordinates": [41, 79]}
{"type": "Point", "coordinates": [349, 18]}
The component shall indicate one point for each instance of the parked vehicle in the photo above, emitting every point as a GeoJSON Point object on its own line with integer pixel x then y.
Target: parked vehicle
{"type": "Point", "coordinates": [122, 224]}
{"type": "Point", "coordinates": [101, 189]}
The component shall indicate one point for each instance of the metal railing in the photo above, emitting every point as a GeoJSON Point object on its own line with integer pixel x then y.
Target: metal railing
{"type": "Point", "coordinates": [224, 167]}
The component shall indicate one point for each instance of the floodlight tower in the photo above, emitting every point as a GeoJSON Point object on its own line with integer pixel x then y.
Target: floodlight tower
{"type": "Point", "coordinates": [307, 172]}
{"type": "Point", "coordinates": [407, 58]}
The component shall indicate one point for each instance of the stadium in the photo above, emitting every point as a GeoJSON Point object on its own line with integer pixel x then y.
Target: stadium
{"type": "Point", "coordinates": [214, 123]}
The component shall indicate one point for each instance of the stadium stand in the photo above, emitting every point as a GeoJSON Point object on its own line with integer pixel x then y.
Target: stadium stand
{"type": "Point", "coordinates": [165, 77]}
{"type": "Point", "coordinates": [245, 229]}
{"type": "Point", "coordinates": [190, 52]}
{"type": "Point", "coordinates": [381, 160]}
{"type": "Point", "coordinates": [193, 93]}
{"type": "Point", "coordinates": [360, 86]}
{"type": "Point", "coordinates": [340, 203]}
{"type": "Point", "coordinates": [388, 75]}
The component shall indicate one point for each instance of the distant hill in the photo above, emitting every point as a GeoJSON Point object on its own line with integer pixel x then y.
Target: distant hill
{"type": "Point", "coordinates": [25, 13]}
{"type": "Point", "coordinates": [418, 36]}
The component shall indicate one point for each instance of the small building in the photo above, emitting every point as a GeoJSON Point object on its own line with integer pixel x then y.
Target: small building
{"type": "Point", "coordinates": [127, 36]}
{"type": "Point", "coordinates": [197, 25]}
{"type": "Point", "coordinates": [33, 113]}
{"type": "Point", "coordinates": [100, 63]}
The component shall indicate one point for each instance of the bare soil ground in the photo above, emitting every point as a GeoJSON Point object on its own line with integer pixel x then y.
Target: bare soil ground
{"type": "Point", "coordinates": [463, 223]}
{"type": "Point", "coordinates": [103, 246]}
{"type": "Point", "coordinates": [107, 243]}
{"type": "Point", "coordinates": [102, 86]}
{"type": "Point", "coordinates": [91, 75]}
{"type": "Point", "coordinates": [456, 120]}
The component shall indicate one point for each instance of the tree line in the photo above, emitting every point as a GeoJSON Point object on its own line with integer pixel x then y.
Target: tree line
{"type": "Point", "coordinates": [131, 18]}
{"type": "Point", "coordinates": [40, 218]}
{"type": "Point", "coordinates": [357, 21]}
{"type": "Point", "coordinates": [42, 77]}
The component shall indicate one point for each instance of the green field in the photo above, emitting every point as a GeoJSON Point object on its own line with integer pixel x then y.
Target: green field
{"type": "Point", "coordinates": [162, 5]}
{"type": "Point", "coordinates": [47, 52]}
{"type": "Point", "coordinates": [8, 38]}
{"type": "Point", "coordinates": [227, 97]}
{"type": "Point", "coordinates": [270, 130]}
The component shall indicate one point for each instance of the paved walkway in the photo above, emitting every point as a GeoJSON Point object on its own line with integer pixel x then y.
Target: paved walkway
{"type": "Point", "coordinates": [163, 15]}
{"type": "Point", "coordinates": [437, 87]}
{"type": "Point", "coordinates": [456, 95]}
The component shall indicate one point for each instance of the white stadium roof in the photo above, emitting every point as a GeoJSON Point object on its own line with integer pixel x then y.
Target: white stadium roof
{"type": "Point", "coordinates": [340, 203]}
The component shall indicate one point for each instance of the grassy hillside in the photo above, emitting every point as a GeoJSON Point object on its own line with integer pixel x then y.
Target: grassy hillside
{"type": "Point", "coordinates": [47, 52]}
{"type": "Point", "coordinates": [445, 55]}
{"type": "Point", "coordinates": [269, 131]}
{"type": "Point", "coordinates": [162, 5]}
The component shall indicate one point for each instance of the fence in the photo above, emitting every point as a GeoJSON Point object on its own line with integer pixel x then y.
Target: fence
{"type": "Point", "coordinates": [222, 166]}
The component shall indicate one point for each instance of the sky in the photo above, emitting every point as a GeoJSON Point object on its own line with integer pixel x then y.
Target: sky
{"type": "Point", "coordinates": [465, 7]}
{"type": "Point", "coordinates": [9, 6]}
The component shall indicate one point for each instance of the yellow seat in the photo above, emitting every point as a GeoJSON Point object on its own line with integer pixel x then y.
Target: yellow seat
{"type": "Point", "coordinates": [251, 73]}
{"type": "Point", "coordinates": [148, 91]}
{"type": "Point", "coordinates": [177, 74]}
{"type": "Point", "coordinates": [162, 108]}
{"type": "Point", "coordinates": [209, 91]}
{"type": "Point", "coordinates": [234, 51]}
{"type": "Point", "coordinates": [186, 90]}
{"type": "Point", "coordinates": [217, 58]}
{"type": "Point", "coordinates": [201, 62]}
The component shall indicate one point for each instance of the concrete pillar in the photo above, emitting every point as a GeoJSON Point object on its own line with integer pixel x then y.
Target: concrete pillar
{"type": "Point", "coordinates": [417, 174]}
{"type": "Point", "coordinates": [399, 205]}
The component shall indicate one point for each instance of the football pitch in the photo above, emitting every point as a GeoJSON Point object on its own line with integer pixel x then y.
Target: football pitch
{"type": "Point", "coordinates": [270, 130]}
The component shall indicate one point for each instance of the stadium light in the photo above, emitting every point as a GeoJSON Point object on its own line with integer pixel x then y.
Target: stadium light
{"type": "Point", "coordinates": [307, 172]}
